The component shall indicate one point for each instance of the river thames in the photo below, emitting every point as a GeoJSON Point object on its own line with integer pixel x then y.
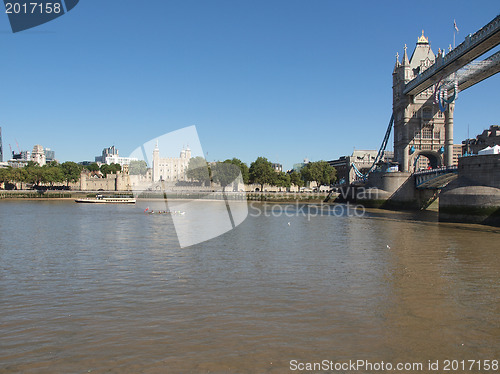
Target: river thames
{"type": "Point", "coordinates": [100, 288]}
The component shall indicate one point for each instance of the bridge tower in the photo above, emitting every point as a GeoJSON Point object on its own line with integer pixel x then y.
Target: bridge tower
{"type": "Point", "coordinates": [420, 128]}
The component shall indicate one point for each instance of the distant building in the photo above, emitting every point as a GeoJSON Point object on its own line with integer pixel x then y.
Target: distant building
{"type": "Point", "coordinates": [122, 161]}
{"type": "Point", "coordinates": [17, 163]}
{"type": "Point", "coordinates": [38, 155]}
{"type": "Point", "coordinates": [360, 159]}
{"type": "Point", "coordinates": [170, 169]}
{"type": "Point", "coordinates": [21, 156]}
{"type": "Point", "coordinates": [488, 138]}
{"type": "Point", "coordinates": [50, 155]}
{"type": "Point", "coordinates": [278, 168]}
{"type": "Point", "coordinates": [110, 156]}
{"type": "Point", "coordinates": [299, 166]}
{"type": "Point", "coordinates": [107, 152]}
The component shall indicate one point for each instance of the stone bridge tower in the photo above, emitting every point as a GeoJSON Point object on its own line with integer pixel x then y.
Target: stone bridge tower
{"type": "Point", "coordinates": [423, 135]}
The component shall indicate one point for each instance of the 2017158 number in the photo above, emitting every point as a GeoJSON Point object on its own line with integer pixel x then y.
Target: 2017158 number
{"type": "Point", "coordinates": [32, 8]}
{"type": "Point", "coordinates": [469, 365]}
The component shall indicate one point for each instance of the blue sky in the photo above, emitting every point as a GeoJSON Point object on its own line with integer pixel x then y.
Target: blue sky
{"type": "Point", "coordinates": [283, 79]}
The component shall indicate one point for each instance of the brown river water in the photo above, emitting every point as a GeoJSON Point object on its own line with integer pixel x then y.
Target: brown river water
{"type": "Point", "coordinates": [107, 289]}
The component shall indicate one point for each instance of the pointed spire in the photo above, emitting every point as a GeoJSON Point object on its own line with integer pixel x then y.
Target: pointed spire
{"type": "Point", "coordinates": [405, 57]}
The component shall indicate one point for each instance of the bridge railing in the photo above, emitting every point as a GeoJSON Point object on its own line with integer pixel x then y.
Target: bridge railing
{"type": "Point", "coordinates": [436, 177]}
{"type": "Point", "coordinates": [439, 170]}
{"type": "Point", "coordinates": [469, 42]}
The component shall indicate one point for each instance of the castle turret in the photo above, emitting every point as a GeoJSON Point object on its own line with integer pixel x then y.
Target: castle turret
{"type": "Point", "coordinates": [156, 163]}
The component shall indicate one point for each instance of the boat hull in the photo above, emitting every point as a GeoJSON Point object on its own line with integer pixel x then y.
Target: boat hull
{"type": "Point", "coordinates": [105, 201]}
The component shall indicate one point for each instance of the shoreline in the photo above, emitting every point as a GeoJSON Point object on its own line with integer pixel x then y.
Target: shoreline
{"type": "Point", "coordinates": [266, 198]}
{"type": "Point", "coordinates": [277, 197]}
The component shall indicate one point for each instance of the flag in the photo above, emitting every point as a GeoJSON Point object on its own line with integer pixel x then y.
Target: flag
{"type": "Point", "coordinates": [455, 25]}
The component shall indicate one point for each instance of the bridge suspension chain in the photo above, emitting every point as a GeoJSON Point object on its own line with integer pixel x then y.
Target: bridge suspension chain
{"type": "Point", "coordinates": [380, 153]}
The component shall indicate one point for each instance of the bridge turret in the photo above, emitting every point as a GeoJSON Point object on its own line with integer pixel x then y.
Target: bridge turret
{"type": "Point", "coordinates": [422, 56]}
{"type": "Point", "coordinates": [418, 124]}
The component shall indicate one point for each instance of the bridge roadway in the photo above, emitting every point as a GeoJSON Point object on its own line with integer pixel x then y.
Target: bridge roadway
{"type": "Point", "coordinates": [475, 73]}
{"type": "Point", "coordinates": [435, 178]}
{"type": "Point", "coordinates": [474, 46]}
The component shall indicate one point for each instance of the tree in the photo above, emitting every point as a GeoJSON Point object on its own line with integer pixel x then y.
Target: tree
{"type": "Point", "coordinates": [71, 172]}
{"type": "Point", "coordinates": [296, 179]}
{"type": "Point", "coordinates": [110, 169]}
{"type": "Point", "coordinates": [225, 173]}
{"type": "Point", "coordinates": [262, 172]}
{"type": "Point", "coordinates": [320, 172]}
{"type": "Point", "coordinates": [34, 173]}
{"type": "Point", "coordinates": [115, 168]}
{"type": "Point", "coordinates": [52, 173]}
{"type": "Point", "coordinates": [138, 167]}
{"type": "Point", "coordinates": [20, 175]}
{"type": "Point", "coordinates": [243, 168]}
{"type": "Point", "coordinates": [92, 167]}
{"type": "Point", "coordinates": [283, 180]}
{"type": "Point", "coordinates": [198, 170]}
{"type": "Point", "coordinates": [53, 163]}
{"type": "Point", "coordinates": [6, 175]}
{"type": "Point", "coordinates": [105, 169]}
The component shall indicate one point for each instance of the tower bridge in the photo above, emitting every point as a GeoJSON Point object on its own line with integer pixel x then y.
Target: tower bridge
{"type": "Point", "coordinates": [425, 87]}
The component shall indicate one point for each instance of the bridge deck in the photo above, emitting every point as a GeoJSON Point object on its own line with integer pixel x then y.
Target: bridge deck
{"type": "Point", "coordinates": [436, 178]}
{"type": "Point", "coordinates": [474, 46]}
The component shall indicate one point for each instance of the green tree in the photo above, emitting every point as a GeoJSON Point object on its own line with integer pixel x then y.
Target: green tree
{"type": "Point", "coordinates": [92, 167]}
{"type": "Point", "coordinates": [283, 180]}
{"type": "Point", "coordinates": [34, 173]}
{"type": "Point", "coordinates": [225, 173]}
{"type": "Point", "coordinates": [51, 173]}
{"type": "Point", "coordinates": [19, 175]}
{"type": "Point", "coordinates": [320, 172]}
{"type": "Point", "coordinates": [6, 175]}
{"type": "Point", "coordinates": [71, 172]}
{"type": "Point", "coordinates": [138, 167]}
{"type": "Point", "coordinates": [262, 172]}
{"type": "Point", "coordinates": [243, 168]}
{"type": "Point", "coordinates": [296, 179]}
{"type": "Point", "coordinates": [110, 169]}
{"type": "Point", "coordinates": [198, 170]}
{"type": "Point", "coordinates": [115, 168]}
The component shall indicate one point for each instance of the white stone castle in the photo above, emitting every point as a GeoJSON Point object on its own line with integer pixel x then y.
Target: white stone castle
{"type": "Point", "coordinates": [170, 169]}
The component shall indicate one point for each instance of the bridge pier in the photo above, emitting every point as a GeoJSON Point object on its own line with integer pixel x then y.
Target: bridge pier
{"type": "Point", "coordinates": [448, 135]}
{"type": "Point", "coordinates": [475, 195]}
{"type": "Point", "coordinates": [394, 190]}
